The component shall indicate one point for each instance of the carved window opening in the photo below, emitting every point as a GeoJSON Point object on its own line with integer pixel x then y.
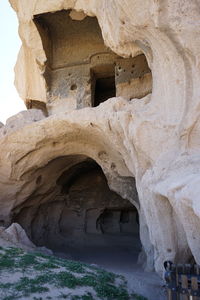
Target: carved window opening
{"type": "Point", "coordinates": [103, 83]}
{"type": "Point", "coordinates": [104, 89]}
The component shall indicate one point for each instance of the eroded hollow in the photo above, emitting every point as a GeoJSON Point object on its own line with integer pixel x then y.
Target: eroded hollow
{"type": "Point", "coordinates": [80, 217]}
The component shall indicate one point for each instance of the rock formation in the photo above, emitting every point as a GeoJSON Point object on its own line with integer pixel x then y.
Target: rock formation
{"type": "Point", "coordinates": [15, 236]}
{"type": "Point", "coordinates": [112, 90]}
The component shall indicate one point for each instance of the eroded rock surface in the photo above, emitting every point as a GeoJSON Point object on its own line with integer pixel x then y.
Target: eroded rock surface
{"type": "Point", "coordinates": [20, 120]}
{"type": "Point", "coordinates": [154, 139]}
{"type": "Point", "coordinates": [15, 236]}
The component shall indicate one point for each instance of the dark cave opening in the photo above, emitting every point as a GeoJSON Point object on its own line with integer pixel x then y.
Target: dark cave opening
{"type": "Point", "coordinates": [104, 89]}
{"type": "Point", "coordinates": [84, 220]}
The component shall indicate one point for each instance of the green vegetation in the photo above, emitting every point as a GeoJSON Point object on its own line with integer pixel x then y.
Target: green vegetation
{"type": "Point", "coordinates": [38, 276]}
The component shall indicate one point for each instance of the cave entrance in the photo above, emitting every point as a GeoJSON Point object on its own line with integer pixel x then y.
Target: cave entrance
{"type": "Point", "coordinates": [81, 218]}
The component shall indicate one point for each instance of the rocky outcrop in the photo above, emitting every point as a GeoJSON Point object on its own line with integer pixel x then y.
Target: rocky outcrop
{"type": "Point", "coordinates": [20, 120]}
{"type": "Point", "coordinates": [154, 139]}
{"type": "Point", "coordinates": [15, 236]}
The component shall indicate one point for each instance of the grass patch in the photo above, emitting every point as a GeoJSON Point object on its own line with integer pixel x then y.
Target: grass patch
{"type": "Point", "coordinates": [75, 267]}
{"type": "Point", "coordinates": [45, 266]}
{"type": "Point", "coordinates": [28, 259]}
{"type": "Point", "coordinates": [40, 274]}
{"type": "Point", "coordinates": [66, 279]}
{"type": "Point", "coordinates": [11, 251]}
{"type": "Point", "coordinates": [31, 286]}
{"type": "Point", "coordinates": [6, 262]}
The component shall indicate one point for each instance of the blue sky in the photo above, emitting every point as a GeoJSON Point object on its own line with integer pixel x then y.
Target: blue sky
{"type": "Point", "coordinates": [10, 103]}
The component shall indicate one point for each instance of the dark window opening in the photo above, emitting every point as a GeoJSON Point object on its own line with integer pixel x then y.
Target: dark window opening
{"type": "Point", "coordinates": [104, 89]}
{"type": "Point", "coordinates": [103, 83]}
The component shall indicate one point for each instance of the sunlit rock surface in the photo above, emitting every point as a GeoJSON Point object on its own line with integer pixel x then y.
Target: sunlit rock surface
{"type": "Point", "coordinates": [149, 132]}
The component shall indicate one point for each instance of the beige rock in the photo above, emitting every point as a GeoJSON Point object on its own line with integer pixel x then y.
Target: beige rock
{"type": "Point", "coordinates": [78, 16]}
{"type": "Point", "coordinates": [17, 235]}
{"type": "Point", "coordinates": [154, 139]}
{"type": "Point", "coordinates": [20, 120]}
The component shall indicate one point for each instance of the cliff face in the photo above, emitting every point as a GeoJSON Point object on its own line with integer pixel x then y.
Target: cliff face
{"type": "Point", "coordinates": [145, 58]}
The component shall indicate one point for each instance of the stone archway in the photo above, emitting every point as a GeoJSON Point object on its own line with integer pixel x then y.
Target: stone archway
{"type": "Point", "coordinates": [81, 217]}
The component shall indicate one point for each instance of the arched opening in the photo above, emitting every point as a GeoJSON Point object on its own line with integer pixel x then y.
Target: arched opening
{"type": "Point", "coordinates": [81, 71]}
{"type": "Point", "coordinates": [80, 217]}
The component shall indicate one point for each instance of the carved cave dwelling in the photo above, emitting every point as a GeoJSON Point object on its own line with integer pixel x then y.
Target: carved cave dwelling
{"type": "Point", "coordinates": [107, 152]}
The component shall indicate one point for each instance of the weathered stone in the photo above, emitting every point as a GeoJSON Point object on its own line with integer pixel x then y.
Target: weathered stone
{"type": "Point", "coordinates": [154, 139]}
{"type": "Point", "coordinates": [17, 235]}
{"type": "Point", "coordinates": [20, 120]}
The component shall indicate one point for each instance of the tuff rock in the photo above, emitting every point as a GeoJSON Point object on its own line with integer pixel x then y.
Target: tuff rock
{"type": "Point", "coordinates": [113, 83]}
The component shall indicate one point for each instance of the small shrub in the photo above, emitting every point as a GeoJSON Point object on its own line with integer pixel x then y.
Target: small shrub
{"type": "Point", "coordinates": [75, 267]}
{"type": "Point", "coordinates": [88, 280]}
{"type": "Point", "coordinates": [66, 279]}
{"type": "Point", "coordinates": [27, 260]}
{"type": "Point", "coordinates": [6, 262]}
{"type": "Point", "coordinates": [105, 277]}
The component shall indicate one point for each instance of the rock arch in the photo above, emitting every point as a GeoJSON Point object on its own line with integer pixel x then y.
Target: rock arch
{"type": "Point", "coordinates": [77, 208]}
